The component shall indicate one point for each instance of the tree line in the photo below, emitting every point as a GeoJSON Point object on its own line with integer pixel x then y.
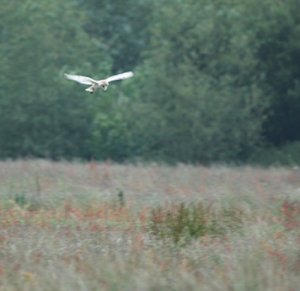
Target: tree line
{"type": "Point", "coordinates": [215, 81]}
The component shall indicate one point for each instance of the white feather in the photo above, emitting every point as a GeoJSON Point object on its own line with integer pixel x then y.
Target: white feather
{"type": "Point", "coordinates": [120, 77]}
{"type": "Point", "coordinates": [81, 79]}
{"type": "Point", "coordinates": [90, 89]}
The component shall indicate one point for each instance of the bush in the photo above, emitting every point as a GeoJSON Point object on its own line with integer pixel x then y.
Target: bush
{"type": "Point", "coordinates": [287, 155]}
{"type": "Point", "coordinates": [180, 223]}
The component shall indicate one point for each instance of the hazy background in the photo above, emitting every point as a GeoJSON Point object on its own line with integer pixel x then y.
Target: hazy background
{"type": "Point", "coordinates": [216, 81]}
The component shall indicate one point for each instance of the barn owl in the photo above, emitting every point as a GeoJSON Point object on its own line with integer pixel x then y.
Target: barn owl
{"type": "Point", "coordinates": [95, 84]}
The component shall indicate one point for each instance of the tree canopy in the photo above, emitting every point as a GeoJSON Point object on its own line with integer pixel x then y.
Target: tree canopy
{"type": "Point", "coordinates": [215, 81]}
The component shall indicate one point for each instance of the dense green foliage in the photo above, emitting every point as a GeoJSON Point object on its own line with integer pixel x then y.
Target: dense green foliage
{"type": "Point", "coordinates": [40, 115]}
{"type": "Point", "coordinates": [215, 80]}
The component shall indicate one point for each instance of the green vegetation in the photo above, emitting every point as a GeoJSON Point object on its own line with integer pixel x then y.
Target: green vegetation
{"type": "Point", "coordinates": [216, 81]}
{"type": "Point", "coordinates": [182, 223]}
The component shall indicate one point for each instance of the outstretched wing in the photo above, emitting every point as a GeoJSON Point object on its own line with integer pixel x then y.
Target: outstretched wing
{"type": "Point", "coordinates": [120, 77]}
{"type": "Point", "coordinates": [81, 79]}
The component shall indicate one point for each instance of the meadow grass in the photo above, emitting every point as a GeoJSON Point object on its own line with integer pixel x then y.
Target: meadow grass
{"type": "Point", "coordinates": [104, 226]}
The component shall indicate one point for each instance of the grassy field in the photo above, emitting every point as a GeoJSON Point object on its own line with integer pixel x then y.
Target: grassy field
{"type": "Point", "coordinates": [90, 226]}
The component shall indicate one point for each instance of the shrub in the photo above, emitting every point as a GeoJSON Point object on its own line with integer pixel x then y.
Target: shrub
{"type": "Point", "coordinates": [180, 223]}
{"type": "Point", "coordinates": [288, 155]}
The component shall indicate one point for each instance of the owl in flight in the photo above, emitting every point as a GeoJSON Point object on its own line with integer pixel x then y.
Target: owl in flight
{"type": "Point", "coordinates": [95, 84]}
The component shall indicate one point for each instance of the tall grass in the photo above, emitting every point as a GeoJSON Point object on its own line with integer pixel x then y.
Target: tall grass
{"type": "Point", "coordinates": [103, 226]}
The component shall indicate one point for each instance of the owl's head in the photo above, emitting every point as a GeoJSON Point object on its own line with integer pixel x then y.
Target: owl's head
{"type": "Point", "coordinates": [104, 85]}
